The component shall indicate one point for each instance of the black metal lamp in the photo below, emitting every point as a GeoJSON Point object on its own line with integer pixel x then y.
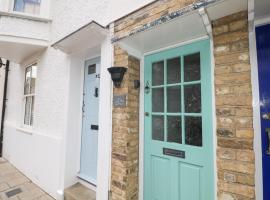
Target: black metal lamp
{"type": "Point", "coordinates": [1, 63]}
{"type": "Point", "coordinates": [117, 74]}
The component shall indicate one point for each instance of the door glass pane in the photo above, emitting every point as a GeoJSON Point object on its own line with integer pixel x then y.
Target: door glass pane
{"type": "Point", "coordinates": [193, 130]}
{"type": "Point", "coordinates": [174, 99]}
{"type": "Point", "coordinates": [192, 67]}
{"type": "Point", "coordinates": [158, 128]}
{"type": "Point", "coordinates": [92, 69]}
{"type": "Point", "coordinates": [158, 73]}
{"type": "Point", "coordinates": [174, 130]}
{"type": "Point", "coordinates": [173, 71]}
{"type": "Point", "coordinates": [193, 98]}
{"type": "Point", "coordinates": [158, 100]}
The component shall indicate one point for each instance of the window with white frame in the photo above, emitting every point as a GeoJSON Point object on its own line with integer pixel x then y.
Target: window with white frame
{"type": "Point", "coordinates": [27, 6]}
{"type": "Point", "coordinates": [29, 94]}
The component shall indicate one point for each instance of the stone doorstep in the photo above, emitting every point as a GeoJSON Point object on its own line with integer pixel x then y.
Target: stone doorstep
{"type": "Point", "coordinates": [2, 160]}
{"type": "Point", "coordinates": [79, 192]}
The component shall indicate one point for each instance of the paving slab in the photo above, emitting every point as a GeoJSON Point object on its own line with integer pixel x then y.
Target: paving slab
{"type": "Point", "coordinates": [16, 186]}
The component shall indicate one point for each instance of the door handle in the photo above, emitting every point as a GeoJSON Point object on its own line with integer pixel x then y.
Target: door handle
{"type": "Point", "coordinates": [96, 92]}
{"type": "Point", "coordinates": [268, 138]}
{"type": "Point", "coordinates": [266, 116]}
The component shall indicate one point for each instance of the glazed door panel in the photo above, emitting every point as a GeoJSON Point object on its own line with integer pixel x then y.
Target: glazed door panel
{"type": "Point", "coordinates": [89, 143]}
{"type": "Point", "coordinates": [178, 149]}
{"type": "Point", "coordinates": [263, 50]}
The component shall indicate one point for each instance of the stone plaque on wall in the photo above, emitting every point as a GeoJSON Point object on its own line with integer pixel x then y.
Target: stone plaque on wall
{"type": "Point", "coordinates": [120, 101]}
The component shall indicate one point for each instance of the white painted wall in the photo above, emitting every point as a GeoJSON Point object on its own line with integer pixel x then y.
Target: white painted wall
{"type": "Point", "coordinates": [37, 152]}
{"type": "Point", "coordinates": [18, 27]}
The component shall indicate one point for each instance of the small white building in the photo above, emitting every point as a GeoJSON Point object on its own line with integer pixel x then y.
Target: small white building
{"type": "Point", "coordinates": [61, 102]}
{"type": "Point", "coordinates": [49, 43]}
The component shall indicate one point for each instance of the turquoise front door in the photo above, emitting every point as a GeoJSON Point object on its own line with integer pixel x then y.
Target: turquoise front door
{"type": "Point", "coordinates": [89, 142]}
{"type": "Point", "coordinates": [178, 148]}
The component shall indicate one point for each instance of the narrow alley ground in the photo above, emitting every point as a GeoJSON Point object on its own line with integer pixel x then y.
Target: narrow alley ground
{"type": "Point", "coordinates": [15, 186]}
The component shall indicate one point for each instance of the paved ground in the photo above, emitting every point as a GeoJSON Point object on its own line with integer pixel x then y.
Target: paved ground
{"type": "Point", "coordinates": [15, 186]}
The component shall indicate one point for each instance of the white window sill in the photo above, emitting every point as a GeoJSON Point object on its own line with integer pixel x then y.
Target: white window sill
{"type": "Point", "coordinates": [24, 16]}
{"type": "Point", "coordinates": [25, 130]}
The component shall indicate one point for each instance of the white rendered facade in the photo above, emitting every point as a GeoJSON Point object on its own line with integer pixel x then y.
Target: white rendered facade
{"type": "Point", "coordinates": [49, 152]}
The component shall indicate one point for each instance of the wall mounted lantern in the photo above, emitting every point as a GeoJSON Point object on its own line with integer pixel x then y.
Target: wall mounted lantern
{"type": "Point", "coordinates": [117, 74]}
{"type": "Point", "coordinates": [1, 63]}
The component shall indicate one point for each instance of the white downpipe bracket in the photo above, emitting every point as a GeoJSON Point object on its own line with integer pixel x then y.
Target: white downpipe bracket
{"type": "Point", "coordinates": [206, 21]}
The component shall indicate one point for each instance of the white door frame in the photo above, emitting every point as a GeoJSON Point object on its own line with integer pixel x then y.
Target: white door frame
{"type": "Point", "coordinates": [105, 122]}
{"type": "Point", "coordinates": [68, 176]}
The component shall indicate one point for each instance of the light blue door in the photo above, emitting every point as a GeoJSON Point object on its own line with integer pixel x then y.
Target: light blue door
{"type": "Point", "coordinates": [89, 144]}
{"type": "Point", "coordinates": [178, 148]}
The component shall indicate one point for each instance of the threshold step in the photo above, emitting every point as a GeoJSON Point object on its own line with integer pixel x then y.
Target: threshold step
{"type": "Point", "coordinates": [79, 192]}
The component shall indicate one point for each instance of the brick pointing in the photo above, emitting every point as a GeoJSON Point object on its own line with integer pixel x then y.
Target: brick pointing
{"type": "Point", "coordinates": [125, 142]}
{"type": "Point", "coordinates": [235, 156]}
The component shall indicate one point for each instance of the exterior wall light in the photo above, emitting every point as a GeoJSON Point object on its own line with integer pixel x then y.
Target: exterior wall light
{"type": "Point", "coordinates": [117, 74]}
{"type": "Point", "coordinates": [1, 63]}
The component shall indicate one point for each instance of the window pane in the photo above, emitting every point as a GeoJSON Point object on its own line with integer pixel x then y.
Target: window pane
{"type": "Point", "coordinates": [192, 67]}
{"type": "Point", "coordinates": [193, 130]}
{"type": "Point", "coordinates": [19, 5]}
{"type": "Point", "coordinates": [158, 100]}
{"type": "Point", "coordinates": [27, 80]}
{"type": "Point", "coordinates": [32, 110]}
{"type": "Point", "coordinates": [193, 98]}
{"type": "Point", "coordinates": [27, 112]}
{"type": "Point", "coordinates": [158, 73]}
{"type": "Point", "coordinates": [27, 6]}
{"type": "Point", "coordinates": [174, 99]}
{"type": "Point", "coordinates": [33, 79]}
{"type": "Point", "coordinates": [158, 128]}
{"type": "Point", "coordinates": [174, 130]}
{"type": "Point", "coordinates": [173, 71]}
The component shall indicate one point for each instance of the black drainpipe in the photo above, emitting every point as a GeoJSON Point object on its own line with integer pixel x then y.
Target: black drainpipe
{"type": "Point", "coordinates": [4, 107]}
